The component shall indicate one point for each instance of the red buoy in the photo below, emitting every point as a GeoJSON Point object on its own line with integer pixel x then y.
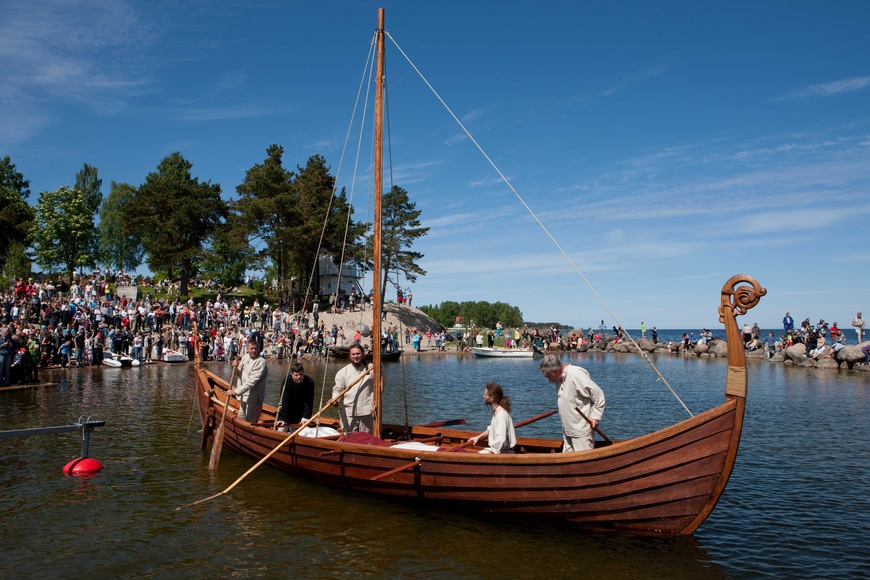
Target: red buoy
{"type": "Point", "coordinates": [82, 466]}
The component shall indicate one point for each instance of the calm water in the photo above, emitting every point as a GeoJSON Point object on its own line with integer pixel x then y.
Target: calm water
{"type": "Point", "coordinates": [796, 507]}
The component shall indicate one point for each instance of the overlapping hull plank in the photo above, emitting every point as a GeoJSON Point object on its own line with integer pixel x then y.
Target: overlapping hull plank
{"type": "Point", "coordinates": [666, 482]}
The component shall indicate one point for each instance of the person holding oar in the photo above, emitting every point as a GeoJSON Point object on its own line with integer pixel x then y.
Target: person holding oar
{"type": "Point", "coordinates": [501, 434]}
{"type": "Point", "coordinates": [356, 404]}
{"type": "Point", "coordinates": [577, 391]}
{"type": "Point", "coordinates": [251, 391]}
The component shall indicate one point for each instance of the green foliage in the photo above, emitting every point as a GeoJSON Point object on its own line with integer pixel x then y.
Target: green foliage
{"type": "Point", "coordinates": [88, 182]}
{"type": "Point", "coordinates": [64, 233]}
{"type": "Point", "coordinates": [285, 212]}
{"type": "Point", "coordinates": [321, 212]}
{"type": "Point", "coordinates": [175, 216]}
{"type": "Point", "coordinates": [17, 216]}
{"type": "Point", "coordinates": [266, 210]}
{"type": "Point", "coordinates": [480, 314]}
{"type": "Point", "coordinates": [118, 249]}
{"type": "Point", "coordinates": [228, 257]}
{"type": "Point", "coordinates": [400, 226]}
{"type": "Point", "coordinates": [18, 264]}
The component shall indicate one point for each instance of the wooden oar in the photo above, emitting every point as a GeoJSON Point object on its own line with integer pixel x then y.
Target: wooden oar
{"type": "Point", "coordinates": [219, 436]}
{"type": "Point", "coordinates": [283, 386]}
{"type": "Point", "coordinates": [516, 426]}
{"type": "Point", "coordinates": [286, 440]}
{"type": "Point", "coordinates": [417, 461]}
{"type": "Point", "coordinates": [597, 430]}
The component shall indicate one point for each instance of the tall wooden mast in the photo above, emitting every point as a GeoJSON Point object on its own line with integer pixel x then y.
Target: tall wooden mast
{"type": "Point", "coordinates": [377, 299]}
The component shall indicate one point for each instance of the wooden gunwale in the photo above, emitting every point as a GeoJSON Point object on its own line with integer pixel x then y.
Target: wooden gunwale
{"type": "Point", "coordinates": [633, 485]}
{"type": "Point", "coordinates": [617, 449]}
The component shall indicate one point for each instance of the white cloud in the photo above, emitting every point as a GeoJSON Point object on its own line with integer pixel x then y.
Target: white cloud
{"type": "Point", "coordinates": [828, 89]}
{"type": "Point", "coordinates": [76, 52]}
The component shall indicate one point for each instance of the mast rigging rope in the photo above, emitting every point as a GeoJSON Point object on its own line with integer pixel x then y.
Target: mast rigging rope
{"type": "Point", "coordinates": [543, 227]}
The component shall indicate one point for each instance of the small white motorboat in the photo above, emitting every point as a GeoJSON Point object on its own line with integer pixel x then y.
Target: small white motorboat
{"type": "Point", "coordinates": [118, 360]}
{"type": "Point", "coordinates": [173, 356]}
{"type": "Point", "coordinates": [485, 352]}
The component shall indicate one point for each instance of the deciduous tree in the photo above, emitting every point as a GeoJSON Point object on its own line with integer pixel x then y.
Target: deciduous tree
{"type": "Point", "coordinates": [64, 233]}
{"type": "Point", "coordinates": [175, 215]}
{"type": "Point", "coordinates": [118, 249]}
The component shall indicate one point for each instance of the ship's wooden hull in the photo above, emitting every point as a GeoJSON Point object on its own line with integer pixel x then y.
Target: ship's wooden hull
{"type": "Point", "coordinates": [664, 482]}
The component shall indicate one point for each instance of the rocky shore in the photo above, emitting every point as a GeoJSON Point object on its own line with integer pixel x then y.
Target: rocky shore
{"type": "Point", "coordinates": [849, 357]}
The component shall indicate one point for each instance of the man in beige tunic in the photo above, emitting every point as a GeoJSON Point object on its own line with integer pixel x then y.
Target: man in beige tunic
{"type": "Point", "coordinates": [251, 391]}
{"type": "Point", "coordinates": [356, 405]}
{"type": "Point", "coordinates": [576, 389]}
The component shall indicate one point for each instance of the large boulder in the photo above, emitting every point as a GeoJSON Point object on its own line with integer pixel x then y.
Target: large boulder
{"type": "Point", "coordinates": [807, 363]}
{"type": "Point", "coordinates": [758, 353]}
{"type": "Point", "coordinates": [646, 345]}
{"type": "Point", "coordinates": [718, 347]}
{"type": "Point", "coordinates": [850, 354]}
{"type": "Point", "coordinates": [620, 347]}
{"type": "Point", "coordinates": [583, 348]}
{"type": "Point", "coordinates": [777, 358]}
{"type": "Point", "coordinates": [701, 349]}
{"type": "Point", "coordinates": [827, 363]}
{"type": "Point", "coordinates": [796, 352]}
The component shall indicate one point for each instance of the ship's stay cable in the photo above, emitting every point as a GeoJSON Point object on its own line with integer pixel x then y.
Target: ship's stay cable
{"type": "Point", "coordinates": [390, 165]}
{"type": "Point", "coordinates": [367, 72]}
{"type": "Point", "coordinates": [543, 227]}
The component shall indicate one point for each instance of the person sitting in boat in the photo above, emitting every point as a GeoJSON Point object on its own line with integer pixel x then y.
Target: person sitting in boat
{"type": "Point", "coordinates": [501, 434]}
{"type": "Point", "coordinates": [297, 400]}
{"type": "Point", "coordinates": [576, 391]}
{"type": "Point", "coordinates": [251, 390]}
{"type": "Point", "coordinates": [355, 411]}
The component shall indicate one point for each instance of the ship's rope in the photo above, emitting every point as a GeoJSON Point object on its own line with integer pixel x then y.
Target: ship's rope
{"type": "Point", "coordinates": [367, 73]}
{"type": "Point", "coordinates": [543, 227]}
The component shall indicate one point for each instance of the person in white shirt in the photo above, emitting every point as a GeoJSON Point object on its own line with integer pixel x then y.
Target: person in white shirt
{"type": "Point", "coordinates": [576, 389]}
{"type": "Point", "coordinates": [251, 390]}
{"type": "Point", "coordinates": [355, 406]}
{"type": "Point", "coordinates": [858, 323]}
{"type": "Point", "coordinates": [501, 434]}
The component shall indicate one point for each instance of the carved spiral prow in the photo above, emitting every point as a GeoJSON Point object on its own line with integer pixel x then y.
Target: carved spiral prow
{"type": "Point", "coordinates": [739, 294]}
{"type": "Point", "coordinates": [738, 300]}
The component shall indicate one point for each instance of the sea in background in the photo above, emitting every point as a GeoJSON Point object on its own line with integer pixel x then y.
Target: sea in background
{"type": "Point", "coordinates": [676, 334]}
{"type": "Point", "coordinates": [796, 506]}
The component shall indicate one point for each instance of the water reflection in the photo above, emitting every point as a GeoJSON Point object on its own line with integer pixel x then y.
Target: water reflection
{"type": "Point", "coordinates": [796, 504]}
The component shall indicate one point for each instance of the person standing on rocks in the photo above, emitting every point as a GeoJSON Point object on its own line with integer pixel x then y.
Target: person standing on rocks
{"type": "Point", "coordinates": [787, 322]}
{"type": "Point", "coordinates": [858, 323]}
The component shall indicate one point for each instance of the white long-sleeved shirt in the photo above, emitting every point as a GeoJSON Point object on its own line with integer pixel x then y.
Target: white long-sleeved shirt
{"type": "Point", "coordinates": [578, 389]}
{"type": "Point", "coordinates": [502, 437]}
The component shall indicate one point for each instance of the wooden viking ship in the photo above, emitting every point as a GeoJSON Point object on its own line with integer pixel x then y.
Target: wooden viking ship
{"type": "Point", "coordinates": [664, 482]}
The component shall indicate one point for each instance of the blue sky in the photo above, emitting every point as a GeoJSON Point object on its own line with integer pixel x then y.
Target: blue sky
{"type": "Point", "coordinates": [666, 145]}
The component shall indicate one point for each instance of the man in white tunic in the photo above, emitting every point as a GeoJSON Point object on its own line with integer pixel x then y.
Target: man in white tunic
{"type": "Point", "coordinates": [576, 389]}
{"type": "Point", "coordinates": [501, 434]}
{"type": "Point", "coordinates": [356, 404]}
{"type": "Point", "coordinates": [251, 391]}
